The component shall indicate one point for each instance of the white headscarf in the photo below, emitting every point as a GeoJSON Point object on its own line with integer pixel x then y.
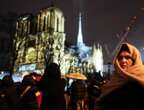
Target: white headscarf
{"type": "Point", "coordinates": [120, 77]}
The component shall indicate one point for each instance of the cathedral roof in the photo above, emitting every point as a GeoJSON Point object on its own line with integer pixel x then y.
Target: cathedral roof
{"type": "Point", "coordinates": [54, 9]}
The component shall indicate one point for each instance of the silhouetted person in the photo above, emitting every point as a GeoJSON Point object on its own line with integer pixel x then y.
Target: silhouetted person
{"type": "Point", "coordinates": [78, 94]}
{"type": "Point", "coordinates": [93, 92]}
{"type": "Point", "coordinates": [9, 94]}
{"type": "Point", "coordinates": [52, 87]}
{"type": "Point", "coordinates": [28, 91]}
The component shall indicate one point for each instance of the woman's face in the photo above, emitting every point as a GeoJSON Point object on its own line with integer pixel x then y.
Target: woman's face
{"type": "Point", "coordinates": [125, 60]}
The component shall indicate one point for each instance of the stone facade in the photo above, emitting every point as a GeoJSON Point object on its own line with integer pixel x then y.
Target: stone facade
{"type": "Point", "coordinates": [40, 38]}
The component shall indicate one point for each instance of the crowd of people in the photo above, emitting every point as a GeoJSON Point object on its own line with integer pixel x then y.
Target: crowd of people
{"type": "Point", "coordinates": [50, 92]}
{"type": "Point", "coordinates": [123, 91]}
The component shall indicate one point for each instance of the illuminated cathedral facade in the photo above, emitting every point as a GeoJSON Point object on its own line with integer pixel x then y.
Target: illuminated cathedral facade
{"type": "Point", "coordinates": [40, 39]}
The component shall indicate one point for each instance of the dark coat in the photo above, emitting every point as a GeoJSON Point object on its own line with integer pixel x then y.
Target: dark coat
{"type": "Point", "coordinates": [78, 90]}
{"type": "Point", "coordinates": [53, 95]}
{"type": "Point", "coordinates": [28, 101]}
{"type": "Point", "coordinates": [128, 97]}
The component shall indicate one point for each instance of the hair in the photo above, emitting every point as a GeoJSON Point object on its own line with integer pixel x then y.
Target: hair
{"type": "Point", "coordinates": [52, 70]}
{"type": "Point", "coordinates": [124, 47]}
{"type": "Point", "coordinates": [7, 81]}
{"type": "Point", "coordinates": [28, 80]}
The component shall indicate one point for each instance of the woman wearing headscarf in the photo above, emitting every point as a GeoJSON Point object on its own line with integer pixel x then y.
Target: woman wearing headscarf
{"type": "Point", "coordinates": [125, 90]}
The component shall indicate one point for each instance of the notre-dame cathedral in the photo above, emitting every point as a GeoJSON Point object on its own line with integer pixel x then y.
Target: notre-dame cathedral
{"type": "Point", "coordinates": [39, 36]}
{"type": "Point", "coordinates": [40, 39]}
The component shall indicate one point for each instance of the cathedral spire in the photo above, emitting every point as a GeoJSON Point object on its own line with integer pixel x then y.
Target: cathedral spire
{"type": "Point", "coordinates": [80, 36]}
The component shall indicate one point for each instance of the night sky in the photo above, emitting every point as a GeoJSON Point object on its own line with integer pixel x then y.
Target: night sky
{"type": "Point", "coordinates": [103, 20]}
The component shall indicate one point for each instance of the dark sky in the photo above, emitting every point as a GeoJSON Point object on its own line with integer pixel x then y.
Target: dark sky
{"type": "Point", "coordinates": [103, 20]}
